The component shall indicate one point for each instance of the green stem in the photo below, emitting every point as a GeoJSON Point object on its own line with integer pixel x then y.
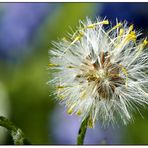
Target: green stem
{"type": "Point", "coordinates": [82, 131]}
{"type": "Point", "coordinates": [16, 133]}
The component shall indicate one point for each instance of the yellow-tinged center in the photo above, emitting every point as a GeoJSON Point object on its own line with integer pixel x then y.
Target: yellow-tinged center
{"type": "Point", "coordinates": [101, 74]}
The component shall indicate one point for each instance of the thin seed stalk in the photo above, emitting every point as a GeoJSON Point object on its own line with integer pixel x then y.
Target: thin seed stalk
{"type": "Point", "coordinates": [82, 131]}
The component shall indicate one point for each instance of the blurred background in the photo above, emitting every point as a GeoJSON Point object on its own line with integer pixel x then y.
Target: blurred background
{"type": "Point", "coordinates": [26, 32]}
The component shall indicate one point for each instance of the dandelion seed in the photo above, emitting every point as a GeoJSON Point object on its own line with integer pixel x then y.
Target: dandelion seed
{"type": "Point", "coordinates": [101, 73]}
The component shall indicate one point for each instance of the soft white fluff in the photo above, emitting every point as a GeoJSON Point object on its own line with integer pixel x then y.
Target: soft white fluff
{"type": "Point", "coordinates": [100, 71]}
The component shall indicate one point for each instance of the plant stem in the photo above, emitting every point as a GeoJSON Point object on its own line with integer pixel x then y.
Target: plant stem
{"type": "Point", "coordinates": [82, 131]}
{"type": "Point", "coordinates": [16, 133]}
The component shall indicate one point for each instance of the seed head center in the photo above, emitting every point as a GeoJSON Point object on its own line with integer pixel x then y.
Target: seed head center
{"type": "Point", "coordinates": [101, 74]}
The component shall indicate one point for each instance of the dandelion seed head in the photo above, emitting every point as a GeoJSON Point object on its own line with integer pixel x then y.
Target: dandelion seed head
{"type": "Point", "coordinates": [100, 71]}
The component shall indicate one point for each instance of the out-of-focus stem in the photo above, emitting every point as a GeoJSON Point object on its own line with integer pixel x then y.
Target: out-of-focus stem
{"type": "Point", "coordinates": [16, 133]}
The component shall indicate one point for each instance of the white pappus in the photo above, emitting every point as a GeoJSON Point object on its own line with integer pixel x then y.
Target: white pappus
{"type": "Point", "coordinates": [100, 71]}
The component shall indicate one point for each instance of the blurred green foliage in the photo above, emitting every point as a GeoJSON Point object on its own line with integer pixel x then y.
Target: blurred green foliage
{"type": "Point", "coordinates": [26, 82]}
{"type": "Point", "coordinates": [137, 132]}
{"type": "Point", "coordinates": [28, 92]}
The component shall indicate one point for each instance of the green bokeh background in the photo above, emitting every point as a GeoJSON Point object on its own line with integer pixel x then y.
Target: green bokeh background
{"type": "Point", "coordinates": [30, 102]}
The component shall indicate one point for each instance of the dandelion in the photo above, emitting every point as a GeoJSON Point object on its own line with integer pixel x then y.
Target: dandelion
{"type": "Point", "coordinates": [100, 71]}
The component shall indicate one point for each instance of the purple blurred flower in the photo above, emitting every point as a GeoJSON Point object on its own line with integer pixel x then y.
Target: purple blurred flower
{"type": "Point", "coordinates": [65, 129]}
{"type": "Point", "coordinates": [18, 23]}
